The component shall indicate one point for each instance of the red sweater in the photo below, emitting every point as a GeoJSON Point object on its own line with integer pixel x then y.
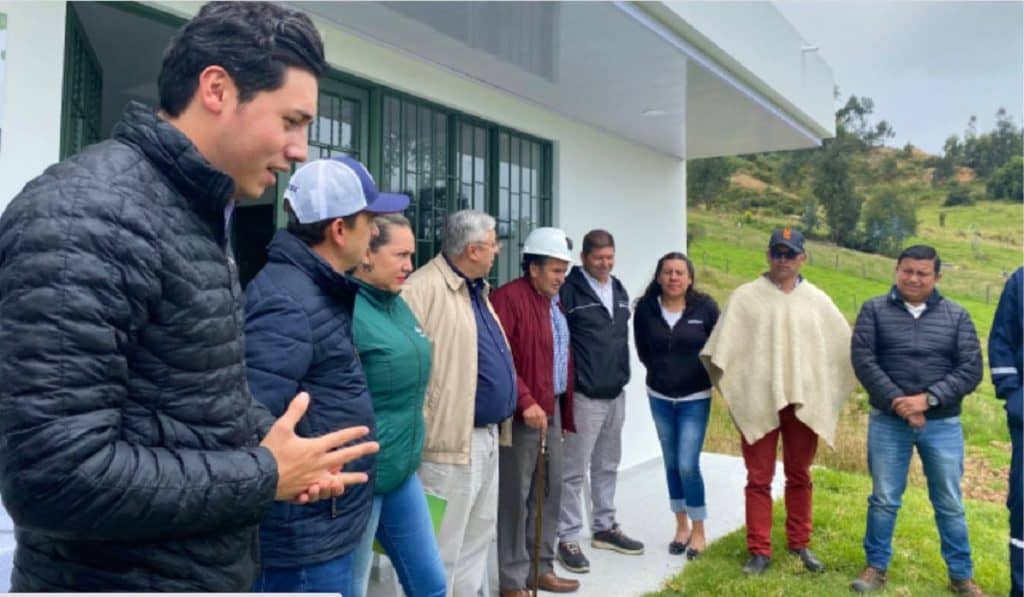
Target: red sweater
{"type": "Point", "coordinates": [526, 316]}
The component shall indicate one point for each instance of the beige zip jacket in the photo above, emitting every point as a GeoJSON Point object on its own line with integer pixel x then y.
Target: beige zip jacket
{"type": "Point", "coordinates": [439, 298]}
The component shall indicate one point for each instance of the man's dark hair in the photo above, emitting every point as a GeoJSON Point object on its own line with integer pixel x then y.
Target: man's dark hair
{"type": "Point", "coordinates": [530, 258]}
{"type": "Point", "coordinates": [253, 41]}
{"type": "Point", "coordinates": [597, 239]}
{"type": "Point", "coordinates": [313, 233]}
{"type": "Point", "coordinates": [921, 253]}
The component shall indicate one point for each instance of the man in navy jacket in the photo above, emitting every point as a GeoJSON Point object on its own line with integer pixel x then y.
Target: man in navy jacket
{"type": "Point", "coordinates": [298, 335]}
{"type": "Point", "coordinates": [1004, 356]}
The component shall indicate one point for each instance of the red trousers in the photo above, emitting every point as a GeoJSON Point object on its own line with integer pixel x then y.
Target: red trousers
{"type": "Point", "coordinates": [799, 445]}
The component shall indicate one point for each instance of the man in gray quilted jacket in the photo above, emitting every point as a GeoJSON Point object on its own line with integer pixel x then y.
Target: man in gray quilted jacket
{"type": "Point", "coordinates": [917, 355]}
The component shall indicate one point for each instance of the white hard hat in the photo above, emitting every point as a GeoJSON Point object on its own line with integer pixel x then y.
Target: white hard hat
{"type": "Point", "coordinates": [551, 242]}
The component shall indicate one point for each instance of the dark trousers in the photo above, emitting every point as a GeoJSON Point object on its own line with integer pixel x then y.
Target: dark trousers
{"type": "Point", "coordinates": [517, 503]}
{"type": "Point", "coordinates": [799, 445]}
{"type": "Point", "coordinates": [1014, 503]}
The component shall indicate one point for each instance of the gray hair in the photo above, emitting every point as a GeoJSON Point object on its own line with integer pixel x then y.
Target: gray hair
{"type": "Point", "coordinates": [464, 228]}
{"type": "Point", "coordinates": [384, 224]}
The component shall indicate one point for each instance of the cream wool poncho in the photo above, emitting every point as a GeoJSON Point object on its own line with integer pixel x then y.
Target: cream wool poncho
{"type": "Point", "coordinates": [771, 349]}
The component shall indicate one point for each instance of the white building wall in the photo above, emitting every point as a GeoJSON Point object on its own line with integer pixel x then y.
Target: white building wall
{"type": "Point", "coordinates": [31, 92]}
{"type": "Point", "coordinates": [600, 181]}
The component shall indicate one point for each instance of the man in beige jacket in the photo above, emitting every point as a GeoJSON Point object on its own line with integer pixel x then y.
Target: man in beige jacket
{"type": "Point", "coordinates": [472, 389]}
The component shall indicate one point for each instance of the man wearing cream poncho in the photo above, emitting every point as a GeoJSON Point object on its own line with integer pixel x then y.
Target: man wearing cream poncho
{"type": "Point", "coordinates": [780, 357]}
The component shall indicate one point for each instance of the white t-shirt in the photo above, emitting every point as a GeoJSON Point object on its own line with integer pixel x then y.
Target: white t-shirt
{"type": "Point", "coordinates": [670, 317]}
{"type": "Point", "coordinates": [916, 311]}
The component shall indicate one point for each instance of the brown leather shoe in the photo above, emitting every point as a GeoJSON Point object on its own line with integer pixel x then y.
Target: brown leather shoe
{"type": "Point", "coordinates": [554, 584]}
{"type": "Point", "coordinates": [516, 593]}
{"type": "Point", "coordinates": [966, 586]}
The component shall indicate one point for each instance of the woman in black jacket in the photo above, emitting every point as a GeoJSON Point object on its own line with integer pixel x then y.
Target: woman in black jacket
{"type": "Point", "coordinates": [671, 324]}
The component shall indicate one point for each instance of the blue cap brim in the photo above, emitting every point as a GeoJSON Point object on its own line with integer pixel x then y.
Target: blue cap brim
{"type": "Point", "coordinates": [388, 203]}
{"type": "Point", "coordinates": [787, 244]}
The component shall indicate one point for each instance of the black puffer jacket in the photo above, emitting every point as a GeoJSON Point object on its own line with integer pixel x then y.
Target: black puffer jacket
{"type": "Point", "coordinates": [896, 355]}
{"type": "Point", "coordinates": [128, 439]}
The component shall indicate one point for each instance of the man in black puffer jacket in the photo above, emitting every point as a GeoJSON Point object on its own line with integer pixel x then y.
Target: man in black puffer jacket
{"type": "Point", "coordinates": [917, 355]}
{"type": "Point", "coordinates": [132, 456]}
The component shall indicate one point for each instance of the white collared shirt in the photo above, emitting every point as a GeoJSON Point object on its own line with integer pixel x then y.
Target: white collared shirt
{"type": "Point", "coordinates": [603, 291]}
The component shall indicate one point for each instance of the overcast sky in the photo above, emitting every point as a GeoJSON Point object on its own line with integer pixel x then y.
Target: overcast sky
{"type": "Point", "coordinates": [928, 66]}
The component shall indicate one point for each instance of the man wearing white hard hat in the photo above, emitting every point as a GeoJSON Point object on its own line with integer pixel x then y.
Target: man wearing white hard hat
{"type": "Point", "coordinates": [298, 337]}
{"type": "Point", "coordinates": [538, 333]}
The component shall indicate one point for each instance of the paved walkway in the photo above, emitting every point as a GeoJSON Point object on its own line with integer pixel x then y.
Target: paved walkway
{"type": "Point", "coordinates": [643, 511]}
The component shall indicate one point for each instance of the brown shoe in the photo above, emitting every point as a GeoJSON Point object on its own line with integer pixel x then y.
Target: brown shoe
{"type": "Point", "coordinates": [549, 582]}
{"type": "Point", "coordinates": [516, 593]}
{"type": "Point", "coordinates": [966, 586]}
{"type": "Point", "coordinates": [872, 579]}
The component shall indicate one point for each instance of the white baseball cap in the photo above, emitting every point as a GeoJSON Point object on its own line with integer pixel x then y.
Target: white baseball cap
{"type": "Point", "coordinates": [333, 188]}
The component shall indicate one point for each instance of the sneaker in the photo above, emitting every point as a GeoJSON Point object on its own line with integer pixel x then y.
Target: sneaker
{"type": "Point", "coordinates": [966, 586]}
{"type": "Point", "coordinates": [872, 579]}
{"type": "Point", "coordinates": [811, 563]}
{"type": "Point", "coordinates": [756, 564]}
{"type": "Point", "coordinates": [572, 558]}
{"type": "Point", "coordinates": [616, 540]}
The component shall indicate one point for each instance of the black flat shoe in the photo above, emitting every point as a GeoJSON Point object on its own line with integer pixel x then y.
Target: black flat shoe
{"type": "Point", "coordinates": [678, 548]}
{"type": "Point", "coordinates": [693, 554]}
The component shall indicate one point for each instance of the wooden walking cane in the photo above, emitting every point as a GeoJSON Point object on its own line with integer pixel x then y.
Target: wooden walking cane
{"type": "Point", "coordinates": [538, 489]}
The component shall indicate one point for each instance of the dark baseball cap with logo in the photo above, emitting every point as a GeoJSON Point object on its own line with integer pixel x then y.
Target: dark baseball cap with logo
{"type": "Point", "coordinates": [787, 237]}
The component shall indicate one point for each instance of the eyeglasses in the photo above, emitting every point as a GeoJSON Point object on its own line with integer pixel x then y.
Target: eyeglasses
{"type": "Point", "coordinates": [781, 254]}
{"type": "Point", "coordinates": [490, 244]}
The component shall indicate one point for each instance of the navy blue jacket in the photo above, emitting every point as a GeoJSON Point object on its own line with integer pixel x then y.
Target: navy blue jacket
{"type": "Point", "coordinates": [896, 355]}
{"type": "Point", "coordinates": [298, 336]}
{"type": "Point", "coordinates": [1004, 346]}
{"type": "Point", "coordinates": [600, 342]}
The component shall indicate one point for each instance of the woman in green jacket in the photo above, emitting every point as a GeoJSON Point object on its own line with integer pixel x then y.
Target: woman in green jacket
{"type": "Point", "coordinates": [396, 358]}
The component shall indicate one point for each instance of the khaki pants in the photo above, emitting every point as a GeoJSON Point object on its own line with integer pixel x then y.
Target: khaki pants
{"type": "Point", "coordinates": [471, 516]}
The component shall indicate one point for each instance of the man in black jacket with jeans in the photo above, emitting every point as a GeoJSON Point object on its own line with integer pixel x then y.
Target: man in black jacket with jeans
{"type": "Point", "coordinates": [917, 355]}
{"type": "Point", "coordinates": [597, 308]}
{"type": "Point", "coordinates": [132, 456]}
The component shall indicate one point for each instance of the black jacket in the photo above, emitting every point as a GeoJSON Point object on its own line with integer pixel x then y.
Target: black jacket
{"type": "Point", "coordinates": [298, 337]}
{"type": "Point", "coordinates": [670, 355]}
{"type": "Point", "coordinates": [600, 343]}
{"type": "Point", "coordinates": [896, 355]}
{"type": "Point", "coordinates": [129, 456]}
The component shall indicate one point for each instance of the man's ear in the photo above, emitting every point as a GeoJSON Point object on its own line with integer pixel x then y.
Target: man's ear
{"type": "Point", "coordinates": [336, 232]}
{"type": "Point", "coordinates": [216, 90]}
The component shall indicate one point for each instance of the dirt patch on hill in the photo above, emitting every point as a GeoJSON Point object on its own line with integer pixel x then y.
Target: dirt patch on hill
{"type": "Point", "coordinates": [964, 175]}
{"type": "Point", "coordinates": [985, 482]}
{"type": "Point", "coordinates": [746, 181]}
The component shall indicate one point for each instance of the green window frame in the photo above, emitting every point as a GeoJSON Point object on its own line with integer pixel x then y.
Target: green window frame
{"type": "Point", "coordinates": [446, 161]}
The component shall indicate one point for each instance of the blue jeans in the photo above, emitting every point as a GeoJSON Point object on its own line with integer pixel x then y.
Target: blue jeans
{"type": "Point", "coordinates": [681, 427]}
{"type": "Point", "coordinates": [332, 576]}
{"type": "Point", "coordinates": [940, 444]}
{"type": "Point", "coordinates": [401, 522]}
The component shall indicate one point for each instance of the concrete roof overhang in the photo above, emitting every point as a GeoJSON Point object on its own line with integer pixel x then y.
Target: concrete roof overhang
{"type": "Point", "coordinates": [640, 71]}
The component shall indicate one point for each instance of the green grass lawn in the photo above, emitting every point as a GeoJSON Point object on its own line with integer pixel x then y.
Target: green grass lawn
{"type": "Point", "coordinates": [840, 508]}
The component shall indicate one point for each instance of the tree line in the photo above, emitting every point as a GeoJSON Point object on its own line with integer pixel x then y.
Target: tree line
{"type": "Point", "coordinates": [858, 197]}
